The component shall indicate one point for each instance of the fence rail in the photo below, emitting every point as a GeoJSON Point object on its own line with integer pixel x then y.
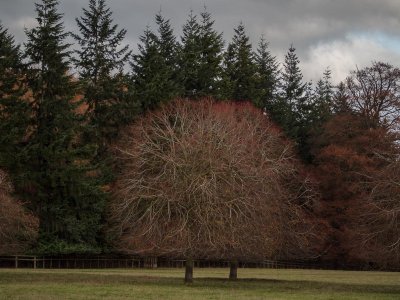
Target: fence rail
{"type": "Point", "coordinates": [135, 262]}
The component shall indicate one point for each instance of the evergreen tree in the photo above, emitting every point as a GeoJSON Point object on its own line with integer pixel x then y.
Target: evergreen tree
{"type": "Point", "coordinates": [190, 56]}
{"type": "Point", "coordinates": [292, 109]}
{"type": "Point", "coordinates": [323, 98]}
{"type": "Point", "coordinates": [293, 88]}
{"type": "Point", "coordinates": [267, 75]}
{"type": "Point", "coordinates": [210, 70]}
{"type": "Point", "coordinates": [340, 99]}
{"type": "Point", "coordinates": [57, 181]}
{"type": "Point", "coordinates": [100, 61]}
{"type": "Point", "coordinates": [200, 57]}
{"type": "Point", "coordinates": [291, 105]}
{"type": "Point", "coordinates": [167, 44]}
{"type": "Point", "coordinates": [239, 68]}
{"type": "Point", "coordinates": [14, 111]}
{"type": "Point", "coordinates": [152, 77]}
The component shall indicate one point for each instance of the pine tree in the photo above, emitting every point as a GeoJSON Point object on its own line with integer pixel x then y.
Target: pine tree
{"type": "Point", "coordinates": [293, 89]}
{"type": "Point", "coordinates": [167, 44]}
{"type": "Point", "coordinates": [340, 99]}
{"type": "Point", "coordinates": [266, 76]}
{"type": "Point", "coordinates": [190, 55]}
{"type": "Point", "coordinates": [100, 61]}
{"type": "Point", "coordinates": [14, 110]}
{"type": "Point", "coordinates": [151, 76]}
{"type": "Point", "coordinates": [200, 57]}
{"type": "Point", "coordinates": [291, 106]}
{"type": "Point", "coordinates": [211, 44]}
{"type": "Point", "coordinates": [323, 98]}
{"type": "Point", "coordinates": [239, 68]}
{"type": "Point", "coordinates": [57, 181]}
{"type": "Point", "coordinates": [168, 48]}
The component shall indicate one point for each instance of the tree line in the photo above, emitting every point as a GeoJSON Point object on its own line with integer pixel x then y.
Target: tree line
{"type": "Point", "coordinates": [65, 109]}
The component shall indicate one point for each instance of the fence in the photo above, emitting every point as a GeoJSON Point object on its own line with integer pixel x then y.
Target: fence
{"type": "Point", "coordinates": [105, 262]}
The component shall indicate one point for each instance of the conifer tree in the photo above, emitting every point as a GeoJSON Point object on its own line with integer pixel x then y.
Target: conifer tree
{"type": "Point", "coordinates": [167, 44]}
{"type": "Point", "coordinates": [100, 62]}
{"type": "Point", "coordinates": [292, 109]}
{"type": "Point", "coordinates": [293, 88]}
{"type": "Point", "coordinates": [14, 110]}
{"type": "Point", "coordinates": [239, 68]}
{"type": "Point", "coordinates": [323, 99]}
{"type": "Point", "coordinates": [189, 56]}
{"type": "Point", "coordinates": [201, 57]}
{"type": "Point", "coordinates": [155, 67]}
{"type": "Point", "coordinates": [151, 74]}
{"type": "Point", "coordinates": [266, 76]}
{"type": "Point", "coordinates": [210, 70]}
{"type": "Point", "coordinates": [340, 101]}
{"type": "Point", "coordinates": [291, 105]}
{"type": "Point", "coordinates": [56, 181]}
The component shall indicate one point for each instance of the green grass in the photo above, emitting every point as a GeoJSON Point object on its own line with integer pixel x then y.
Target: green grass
{"type": "Point", "coordinates": [209, 284]}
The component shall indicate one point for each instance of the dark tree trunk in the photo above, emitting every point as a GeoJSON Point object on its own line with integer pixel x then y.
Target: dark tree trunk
{"type": "Point", "coordinates": [189, 271]}
{"type": "Point", "coordinates": [233, 270]}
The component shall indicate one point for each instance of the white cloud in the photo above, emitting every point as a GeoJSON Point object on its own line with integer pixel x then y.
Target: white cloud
{"type": "Point", "coordinates": [344, 55]}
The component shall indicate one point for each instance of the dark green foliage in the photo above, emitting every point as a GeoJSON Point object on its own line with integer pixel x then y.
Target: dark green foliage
{"type": "Point", "coordinates": [189, 56]}
{"type": "Point", "coordinates": [340, 103]}
{"type": "Point", "coordinates": [292, 108]}
{"type": "Point", "coordinates": [293, 88]}
{"type": "Point", "coordinates": [200, 57]}
{"type": "Point", "coordinates": [155, 74]}
{"type": "Point", "coordinates": [266, 76]}
{"type": "Point", "coordinates": [150, 73]}
{"type": "Point", "coordinates": [288, 106]}
{"type": "Point", "coordinates": [169, 48]}
{"type": "Point", "coordinates": [211, 43]}
{"type": "Point", "coordinates": [14, 110]}
{"type": "Point", "coordinates": [239, 78]}
{"type": "Point", "coordinates": [323, 100]}
{"type": "Point", "coordinates": [100, 61]}
{"type": "Point", "coordinates": [56, 181]}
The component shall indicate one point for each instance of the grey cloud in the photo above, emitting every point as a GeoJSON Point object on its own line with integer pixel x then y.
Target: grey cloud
{"type": "Point", "coordinates": [307, 24]}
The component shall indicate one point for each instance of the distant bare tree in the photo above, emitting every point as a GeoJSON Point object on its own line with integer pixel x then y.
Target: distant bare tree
{"type": "Point", "coordinates": [209, 180]}
{"type": "Point", "coordinates": [375, 93]}
{"type": "Point", "coordinates": [380, 218]}
{"type": "Point", "coordinates": [18, 228]}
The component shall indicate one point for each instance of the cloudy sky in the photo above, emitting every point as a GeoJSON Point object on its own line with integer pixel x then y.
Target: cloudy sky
{"type": "Point", "coordinates": [339, 34]}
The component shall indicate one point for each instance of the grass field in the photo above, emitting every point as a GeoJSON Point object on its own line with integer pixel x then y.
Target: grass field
{"type": "Point", "coordinates": [209, 284]}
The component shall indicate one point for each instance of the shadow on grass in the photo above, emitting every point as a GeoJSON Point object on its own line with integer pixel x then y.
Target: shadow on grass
{"type": "Point", "coordinates": [49, 278]}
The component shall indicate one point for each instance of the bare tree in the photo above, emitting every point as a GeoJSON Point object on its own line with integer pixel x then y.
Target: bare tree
{"type": "Point", "coordinates": [209, 180]}
{"type": "Point", "coordinates": [379, 221]}
{"type": "Point", "coordinates": [18, 228]}
{"type": "Point", "coordinates": [375, 93]}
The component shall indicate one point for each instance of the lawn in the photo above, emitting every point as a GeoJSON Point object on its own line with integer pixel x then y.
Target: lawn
{"type": "Point", "coordinates": [209, 284]}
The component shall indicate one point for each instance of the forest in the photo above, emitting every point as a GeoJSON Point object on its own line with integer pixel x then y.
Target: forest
{"type": "Point", "coordinates": [192, 147]}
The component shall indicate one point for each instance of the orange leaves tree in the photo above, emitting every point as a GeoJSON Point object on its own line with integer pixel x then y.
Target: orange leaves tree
{"type": "Point", "coordinates": [344, 153]}
{"type": "Point", "coordinates": [213, 180]}
{"type": "Point", "coordinates": [18, 228]}
{"type": "Point", "coordinates": [353, 155]}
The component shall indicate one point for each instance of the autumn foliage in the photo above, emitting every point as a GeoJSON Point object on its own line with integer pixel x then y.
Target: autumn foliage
{"type": "Point", "coordinates": [350, 158]}
{"type": "Point", "coordinates": [18, 228]}
{"type": "Point", "coordinates": [213, 180]}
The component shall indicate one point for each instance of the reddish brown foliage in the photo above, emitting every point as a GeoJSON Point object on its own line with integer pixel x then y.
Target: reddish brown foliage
{"type": "Point", "coordinates": [18, 228]}
{"type": "Point", "coordinates": [348, 155]}
{"type": "Point", "coordinates": [210, 180]}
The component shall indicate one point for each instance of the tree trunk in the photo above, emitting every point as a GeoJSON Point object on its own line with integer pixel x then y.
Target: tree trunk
{"type": "Point", "coordinates": [233, 270]}
{"type": "Point", "coordinates": [189, 270]}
